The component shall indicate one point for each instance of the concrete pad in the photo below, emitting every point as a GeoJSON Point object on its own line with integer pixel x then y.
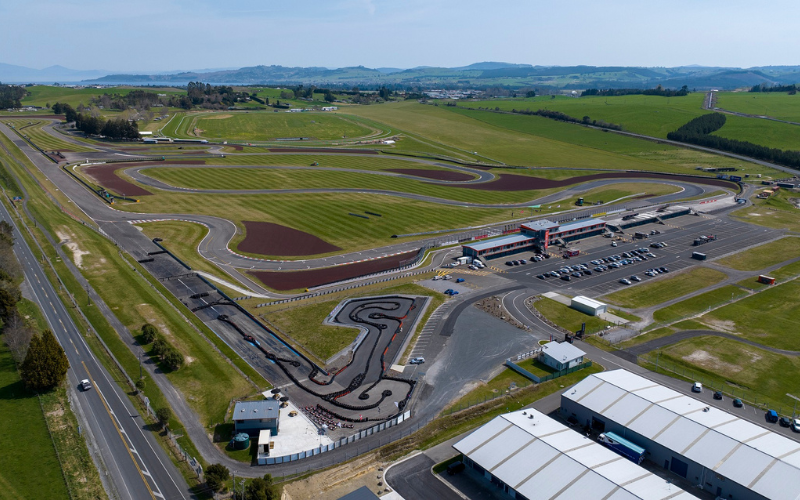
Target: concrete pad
{"type": "Point", "coordinates": [612, 318]}
{"type": "Point", "coordinates": [558, 298]}
{"type": "Point", "coordinates": [296, 434]}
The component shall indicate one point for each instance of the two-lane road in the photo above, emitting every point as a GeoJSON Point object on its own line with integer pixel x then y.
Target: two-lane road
{"type": "Point", "coordinates": [135, 464]}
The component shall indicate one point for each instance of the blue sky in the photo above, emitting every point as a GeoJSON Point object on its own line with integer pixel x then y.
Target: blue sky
{"type": "Point", "coordinates": [181, 34]}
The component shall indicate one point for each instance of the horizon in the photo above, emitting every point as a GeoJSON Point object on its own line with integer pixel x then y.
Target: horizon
{"type": "Point", "coordinates": [382, 34]}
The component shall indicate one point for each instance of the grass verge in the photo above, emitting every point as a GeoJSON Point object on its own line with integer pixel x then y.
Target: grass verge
{"type": "Point", "coordinates": [764, 256]}
{"type": "Point", "coordinates": [567, 317]}
{"type": "Point", "coordinates": [665, 289]}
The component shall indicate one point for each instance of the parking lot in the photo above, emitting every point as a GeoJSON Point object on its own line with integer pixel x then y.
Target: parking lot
{"type": "Point", "coordinates": [678, 234]}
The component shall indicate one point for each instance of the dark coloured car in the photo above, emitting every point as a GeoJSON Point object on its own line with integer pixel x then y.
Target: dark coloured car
{"type": "Point", "coordinates": [566, 277]}
{"type": "Point", "coordinates": [508, 263]}
{"type": "Point", "coordinates": [587, 272]}
{"type": "Point", "coordinates": [718, 395]}
{"type": "Point", "coordinates": [738, 403]}
{"type": "Point", "coordinates": [541, 276]}
{"type": "Point", "coordinates": [785, 422]}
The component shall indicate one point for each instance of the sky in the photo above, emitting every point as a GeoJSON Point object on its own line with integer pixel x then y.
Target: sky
{"type": "Point", "coordinates": [171, 35]}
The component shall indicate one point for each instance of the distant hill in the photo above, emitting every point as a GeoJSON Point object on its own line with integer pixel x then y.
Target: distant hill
{"type": "Point", "coordinates": [478, 75]}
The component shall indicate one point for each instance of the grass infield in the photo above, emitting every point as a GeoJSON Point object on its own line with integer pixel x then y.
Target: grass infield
{"type": "Point", "coordinates": [764, 256]}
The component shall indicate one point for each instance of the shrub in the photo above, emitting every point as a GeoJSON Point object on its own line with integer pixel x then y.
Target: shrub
{"type": "Point", "coordinates": [149, 333]}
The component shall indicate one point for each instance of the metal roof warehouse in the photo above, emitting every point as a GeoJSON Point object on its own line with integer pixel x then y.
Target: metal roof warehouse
{"type": "Point", "coordinates": [535, 456]}
{"type": "Point", "coordinates": [730, 457]}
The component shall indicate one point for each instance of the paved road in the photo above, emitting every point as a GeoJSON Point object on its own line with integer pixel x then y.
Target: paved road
{"type": "Point", "coordinates": [136, 465]}
{"type": "Point", "coordinates": [652, 345]}
{"type": "Point", "coordinates": [414, 481]}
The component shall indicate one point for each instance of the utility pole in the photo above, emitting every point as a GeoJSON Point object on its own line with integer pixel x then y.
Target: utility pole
{"type": "Point", "coordinates": [140, 365]}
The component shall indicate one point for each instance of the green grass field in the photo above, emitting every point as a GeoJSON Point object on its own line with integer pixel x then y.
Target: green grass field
{"type": "Point", "coordinates": [739, 370]}
{"type": "Point", "coordinates": [304, 326]}
{"type": "Point", "coordinates": [44, 94]}
{"type": "Point", "coordinates": [778, 105]}
{"type": "Point", "coordinates": [763, 132]}
{"type": "Point", "coordinates": [33, 130]}
{"type": "Point", "coordinates": [366, 162]}
{"type": "Point", "coordinates": [648, 115]}
{"type": "Point", "coordinates": [770, 317]}
{"type": "Point", "coordinates": [764, 256]}
{"type": "Point", "coordinates": [567, 317]}
{"type": "Point", "coordinates": [29, 467]}
{"type": "Point", "coordinates": [268, 126]}
{"type": "Point", "coordinates": [666, 288]}
{"type": "Point", "coordinates": [698, 303]}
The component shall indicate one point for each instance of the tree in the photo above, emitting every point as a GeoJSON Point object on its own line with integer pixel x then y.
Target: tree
{"type": "Point", "coordinates": [216, 475]}
{"type": "Point", "coordinates": [159, 346]}
{"type": "Point", "coordinates": [149, 333]}
{"type": "Point", "coordinates": [45, 364]}
{"type": "Point", "coordinates": [141, 384]}
{"type": "Point", "coordinates": [17, 335]}
{"type": "Point", "coordinates": [329, 97]}
{"type": "Point", "coordinates": [163, 415]}
{"type": "Point", "coordinates": [530, 93]}
{"type": "Point", "coordinates": [173, 358]}
{"type": "Point", "coordinates": [9, 296]}
{"type": "Point", "coordinates": [261, 489]}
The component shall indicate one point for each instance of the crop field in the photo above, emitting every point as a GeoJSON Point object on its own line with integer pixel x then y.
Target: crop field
{"type": "Point", "coordinates": [33, 129]}
{"type": "Point", "coordinates": [764, 256]}
{"type": "Point", "coordinates": [29, 467]}
{"type": "Point", "coordinates": [268, 126]}
{"type": "Point", "coordinates": [763, 132]}
{"type": "Point", "coordinates": [664, 289]}
{"type": "Point", "coordinates": [778, 105]}
{"type": "Point", "coordinates": [648, 115]}
{"type": "Point", "coordinates": [738, 369]}
{"type": "Point", "coordinates": [770, 317]}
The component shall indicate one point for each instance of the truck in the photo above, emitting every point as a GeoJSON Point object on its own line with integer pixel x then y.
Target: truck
{"type": "Point", "coordinates": [464, 260]}
{"type": "Point", "coordinates": [572, 253]}
{"type": "Point", "coordinates": [622, 446]}
{"type": "Point", "coordinates": [698, 256]}
{"type": "Point", "coordinates": [640, 236]}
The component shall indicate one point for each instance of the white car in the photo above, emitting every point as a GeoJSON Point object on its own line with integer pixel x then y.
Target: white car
{"type": "Point", "coordinates": [796, 425]}
{"type": "Point", "coordinates": [416, 361]}
{"type": "Point", "coordinates": [85, 384]}
{"type": "Point", "coordinates": [624, 281]}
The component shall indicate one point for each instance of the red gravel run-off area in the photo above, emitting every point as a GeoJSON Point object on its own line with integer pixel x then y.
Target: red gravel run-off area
{"type": "Point", "coordinates": [266, 238]}
{"type": "Point", "coordinates": [293, 280]}
{"type": "Point", "coordinates": [106, 176]}
{"type": "Point", "coordinates": [513, 182]}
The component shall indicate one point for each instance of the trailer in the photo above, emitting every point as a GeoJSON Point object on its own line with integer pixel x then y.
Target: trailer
{"type": "Point", "coordinates": [641, 236]}
{"type": "Point", "coordinates": [766, 280]}
{"type": "Point", "coordinates": [463, 260]}
{"type": "Point", "coordinates": [571, 253]}
{"type": "Point", "coordinates": [622, 446]}
{"type": "Point", "coordinates": [698, 256]}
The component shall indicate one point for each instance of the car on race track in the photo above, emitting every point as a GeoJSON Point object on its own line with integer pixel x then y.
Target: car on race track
{"type": "Point", "coordinates": [416, 361]}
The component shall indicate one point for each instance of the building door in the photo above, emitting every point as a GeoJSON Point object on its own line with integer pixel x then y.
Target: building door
{"type": "Point", "coordinates": [598, 425]}
{"type": "Point", "coordinates": [679, 467]}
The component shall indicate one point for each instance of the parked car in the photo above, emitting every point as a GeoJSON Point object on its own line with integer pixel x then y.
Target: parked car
{"type": "Point", "coordinates": [85, 384]}
{"type": "Point", "coordinates": [613, 243]}
{"type": "Point", "coordinates": [454, 292]}
{"type": "Point", "coordinates": [772, 416]}
{"type": "Point", "coordinates": [541, 276]}
{"type": "Point", "coordinates": [416, 361]}
{"type": "Point", "coordinates": [738, 403]}
{"type": "Point", "coordinates": [523, 261]}
{"type": "Point", "coordinates": [635, 278]}
{"type": "Point", "coordinates": [796, 425]}
{"type": "Point", "coordinates": [508, 263]}
{"type": "Point", "coordinates": [624, 281]}
{"type": "Point", "coordinates": [566, 277]}
{"type": "Point", "coordinates": [448, 291]}
{"type": "Point", "coordinates": [785, 422]}
{"type": "Point", "coordinates": [718, 395]}
{"type": "Point", "coordinates": [697, 387]}
{"type": "Point", "coordinates": [460, 280]}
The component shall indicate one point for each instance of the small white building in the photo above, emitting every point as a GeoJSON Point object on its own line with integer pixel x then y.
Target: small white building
{"type": "Point", "coordinates": [561, 355]}
{"type": "Point", "coordinates": [588, 306]}
{"type": "Point", "coordinates": [145, 132]}
{"type": "Point", "coordinates": [330, 108]}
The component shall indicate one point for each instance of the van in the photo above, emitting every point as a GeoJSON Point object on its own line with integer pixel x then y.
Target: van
{"type": "Point", "coordinates": [697, 387]}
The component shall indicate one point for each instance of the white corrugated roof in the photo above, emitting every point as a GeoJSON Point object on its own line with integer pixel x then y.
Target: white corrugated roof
{"type": "Point", "coordinates": [587, 301]}
{"type": "Point", "coordinates": [562, 351]}
{"type": "Point", "coordinates": [748, 454]}
{"type": "Point", "coordinates": [541, 458]}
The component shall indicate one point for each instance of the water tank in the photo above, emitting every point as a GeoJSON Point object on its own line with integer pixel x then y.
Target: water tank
{"type": "Point", "coordinates": [240, 441]}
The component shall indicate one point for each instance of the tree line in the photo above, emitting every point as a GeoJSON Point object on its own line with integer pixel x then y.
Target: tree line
{"type": "Point", "coordinates": [698, 131]}
{"type": "Point", "coordinates": [659, 90]}
{"type": "Point", "coordinates": [11, 95]}
{"type": "Point", "coordinates": [763, 87]}
{"type": "Point", "coordinates": [562, 117]}
{"type": "Point", "coordinates": [117, 128]}
{"type": "Point", "coordinates": [170, 357]}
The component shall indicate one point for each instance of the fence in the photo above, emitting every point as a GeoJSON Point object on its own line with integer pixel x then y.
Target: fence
{"type": "Point", "coordinates": [192, 461]}
{"type": "Point", "coordinates": [525, 373]}
{"type": "Point", "coordinates": [481, 400]}
{"type": "Point", "coordinates": [341, 442]}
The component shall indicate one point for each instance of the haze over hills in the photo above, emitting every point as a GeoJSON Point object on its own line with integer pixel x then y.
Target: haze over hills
{"type": "Point", "coordinates": [483, 74]}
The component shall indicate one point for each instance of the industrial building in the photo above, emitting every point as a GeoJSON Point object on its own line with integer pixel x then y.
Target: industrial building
{"type": "Point", "coordinates": [561, 355]}
{"type": "Point", "coordinates": [529, 455]}
{"type": "Point", "coordinates": [726, 455]}
{"type": "Point", "coordinates": [588, 306]}
{"type": "Point", "coordinates": [254, 416]}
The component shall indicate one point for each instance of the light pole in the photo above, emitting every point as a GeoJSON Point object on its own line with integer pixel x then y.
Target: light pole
{"type": "Point", "coordinates": [796, 399]}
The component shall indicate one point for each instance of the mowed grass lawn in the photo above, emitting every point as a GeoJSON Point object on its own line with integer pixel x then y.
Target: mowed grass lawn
{"type": "Point", "coordinates": [776, 212]}
{"type": "Point", "coordinates": [364, 162]}
{"type": "Point", "coordinates": [737, 369]}
{"type": "Point", "coordinates": [43, 139]}
{"type": "Point", "coordinates": [778, 105]}
{"type": "Point", "coordinates": [567, 317]}
{"type": "Point", "coordinates": [267, 125]}
{"type": "Point", "coordinates": [29, 467]}
{"type": "Point", "coordinates": [665, 288]}
{"type": "Point", "coordinates": [698, 303]}
{"type": "Point", "coordinates": [770, 317]}
{"type": "Point", "coordinates": [304, 326]}
{"type": "Point", "coordinates": [764, 256]}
